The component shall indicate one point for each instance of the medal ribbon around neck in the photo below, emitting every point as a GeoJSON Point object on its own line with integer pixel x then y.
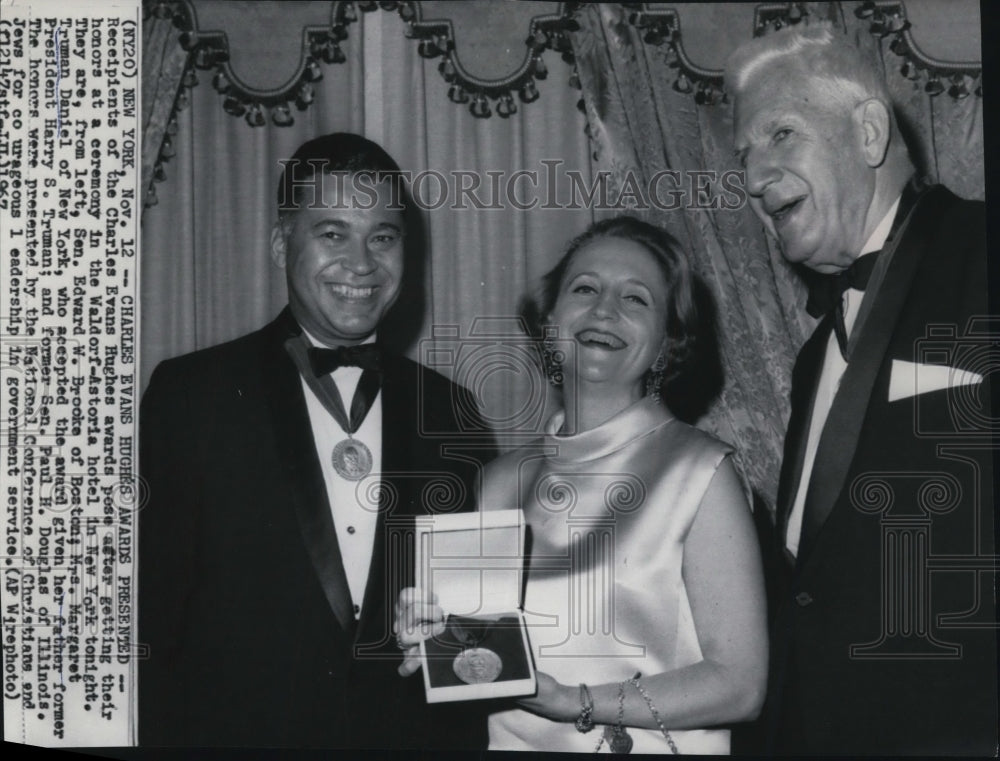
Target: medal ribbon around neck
{"type": "Point", "coordinates": [351, 458]}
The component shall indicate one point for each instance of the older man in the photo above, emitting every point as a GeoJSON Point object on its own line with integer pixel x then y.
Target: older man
{"type": "Point", "coordinates": [283, 468]}
{"type": "Point", "coordinates": [884, 634]}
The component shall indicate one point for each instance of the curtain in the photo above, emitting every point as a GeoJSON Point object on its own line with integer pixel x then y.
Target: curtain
{"type": "Point", "coordinates": [944, 134]}
{"type": "Point", "coordinates": [481, 261]}
{"type": "Point", "coordinates": [163, 65]}
{"type": "Point", "coordinates": [641, 125]}
{"type": "Point", "coordinates": [206, 270]}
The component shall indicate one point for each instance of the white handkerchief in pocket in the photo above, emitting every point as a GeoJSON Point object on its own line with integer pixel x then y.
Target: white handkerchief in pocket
{"type": "Point", "coordinates": [912, 378]}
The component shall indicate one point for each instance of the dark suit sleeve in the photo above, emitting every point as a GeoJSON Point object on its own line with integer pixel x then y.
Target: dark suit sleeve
{"type": "Point", "coordinates": [474, 426]}
{"type": "Point", "coordinates": [456, 443]}
{"type": "Point", "coordinates": [167, 552]}
{"type": "Point", "coordinates": [452, 439]}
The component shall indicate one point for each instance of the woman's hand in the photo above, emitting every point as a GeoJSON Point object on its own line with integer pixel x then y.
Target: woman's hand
{"type": "Point", "coordinates": [418, 617]}
{"type": "Point", "coordinates": [554, 701]}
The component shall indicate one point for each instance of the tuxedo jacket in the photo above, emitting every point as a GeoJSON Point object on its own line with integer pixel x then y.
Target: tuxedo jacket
{"type": "Point", "coordinates": [243, 601]}
{"type": "Point", "coordinates": [884, 638]}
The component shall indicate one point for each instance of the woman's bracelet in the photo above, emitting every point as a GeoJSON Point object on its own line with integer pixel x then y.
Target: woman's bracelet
{"type": "Point", "coordinates": [656, 714]}
{"type": "Point", "coordinates": [584, 722]}
{"type": "Point", "coordinates": [619, 741]}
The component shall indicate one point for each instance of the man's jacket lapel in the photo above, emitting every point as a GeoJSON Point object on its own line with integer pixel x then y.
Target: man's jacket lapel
{"type": "Point", "coordinates": [804, 383]}
{"type": "Point", "coordinates": [392, 555]}
{"type": "Point", "coordinates": [301, 468]}
{"type": "Point", "coordinates": [853, 399]}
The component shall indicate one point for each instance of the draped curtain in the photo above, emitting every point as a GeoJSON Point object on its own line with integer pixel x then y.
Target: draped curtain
{"type": "Point", "coordinates": [206, 270]}
{"type": "Point", "coordinates": [163, 61]}
{"type": "Point", "coordinates": [482, 261]}
{"type": "Point", "coordinates": [641, 125]}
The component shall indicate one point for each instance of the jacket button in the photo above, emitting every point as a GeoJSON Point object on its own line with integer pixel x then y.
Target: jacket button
{"type": "Point", "coordinates": [803, 599]}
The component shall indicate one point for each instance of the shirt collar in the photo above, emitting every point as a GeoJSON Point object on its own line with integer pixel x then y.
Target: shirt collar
{"type": "Point", "coordinates": [881, 232]}
{"type": "Point", "coordinates": [315, 342]}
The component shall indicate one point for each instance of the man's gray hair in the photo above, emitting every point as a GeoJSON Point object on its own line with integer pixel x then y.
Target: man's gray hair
{"type": "Point", "coordinates": [841, 71]}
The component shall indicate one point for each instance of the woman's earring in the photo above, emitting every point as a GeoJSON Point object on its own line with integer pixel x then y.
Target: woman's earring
{"type": "Point", "coordinates": [552, 358]}
{"type": "Point", "coordinates": [655, 378]}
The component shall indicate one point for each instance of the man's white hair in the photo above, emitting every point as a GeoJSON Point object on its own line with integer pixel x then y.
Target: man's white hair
{"type": "Point", "coordinates": [843, 74]}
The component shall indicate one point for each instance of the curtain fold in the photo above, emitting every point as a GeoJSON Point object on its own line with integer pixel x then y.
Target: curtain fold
{"type": "Point", "coordinates": [640, 126]}
{"type": "Point", "coordinates": [162, 68]}
{"type": "Point", "coordinates": [944, 134]}
{"type": "Point", "coordinates": [206, 271]}
{"type": "Point", "coordinates": [207, 275]}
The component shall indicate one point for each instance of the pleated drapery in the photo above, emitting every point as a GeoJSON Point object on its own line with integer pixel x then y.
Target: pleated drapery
{"type": "Point", "coordinates": [207, 276]}
{"type": "Point", "coordinates": [641, 125]}
{"type": "Point", "coordinates": [206, 270]}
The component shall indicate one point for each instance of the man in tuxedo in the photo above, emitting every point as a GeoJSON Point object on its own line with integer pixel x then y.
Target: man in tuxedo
{"type": "Point", "coordinates": [284, 470]}
{"type": "Point", "coordinates": [884, 638]}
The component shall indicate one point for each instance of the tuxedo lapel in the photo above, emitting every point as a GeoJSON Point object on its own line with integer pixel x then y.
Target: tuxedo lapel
{"type": "Point", "coordinates": [804, 385]}
{"type": "Point", "coordinates": [301, 468]}
{"type": "Point", "coordinates": [399, 419]}
{"type": "Point", "coordinates": [385, 576]}
{"type": "Point", "coordinates": [839, 439]}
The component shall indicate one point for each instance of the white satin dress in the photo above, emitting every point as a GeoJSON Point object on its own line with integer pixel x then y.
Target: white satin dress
{"type": "Point", "coordinates": [607, 511]}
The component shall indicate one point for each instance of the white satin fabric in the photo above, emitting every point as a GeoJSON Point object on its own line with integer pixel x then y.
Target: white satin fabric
{"type": "Point", "coordinates": [607, 511]}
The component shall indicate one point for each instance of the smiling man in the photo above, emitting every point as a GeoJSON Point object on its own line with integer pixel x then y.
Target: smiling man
{"type": "Point", "coordinates": [875, 650]}
{"type": "Point", "coordinates": [284, 470]}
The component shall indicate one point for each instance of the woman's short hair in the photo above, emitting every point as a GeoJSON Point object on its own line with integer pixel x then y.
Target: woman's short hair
{"type": "Point", "coordinates": [682, 313]}
{"type": "Point", "coordinates": [843, 73]}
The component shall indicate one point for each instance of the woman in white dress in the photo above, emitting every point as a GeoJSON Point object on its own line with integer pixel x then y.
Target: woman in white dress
{"type": "Point", "coordinates": [653, 637]}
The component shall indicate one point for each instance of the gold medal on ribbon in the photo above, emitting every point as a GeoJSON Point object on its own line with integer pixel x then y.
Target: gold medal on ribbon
{"type": "Point", "coordinates": [352, 459]}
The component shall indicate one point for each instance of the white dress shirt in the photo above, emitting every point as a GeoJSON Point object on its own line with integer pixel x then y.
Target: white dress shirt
{"type": "Point", "coordinates": [352, 503]}
{"type": "Point", "coordinates": [834, 365]}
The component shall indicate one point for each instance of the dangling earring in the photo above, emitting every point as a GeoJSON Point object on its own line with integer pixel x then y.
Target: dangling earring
{"type": "Point", "coordinates": [552, 358]}
{"type": "Point", "coordinates": [655, 378]}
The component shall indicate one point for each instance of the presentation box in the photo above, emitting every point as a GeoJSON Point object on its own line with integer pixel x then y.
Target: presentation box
{"type": "Point", "coordinates": [474, 564]}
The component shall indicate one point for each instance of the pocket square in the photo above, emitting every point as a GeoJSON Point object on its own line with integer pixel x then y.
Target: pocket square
{"type": "Point", "coordinates": [912, 378]}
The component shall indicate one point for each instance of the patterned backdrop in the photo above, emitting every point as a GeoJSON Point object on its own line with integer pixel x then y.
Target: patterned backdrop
{"type": "Point", "coordinates": [632, 90]}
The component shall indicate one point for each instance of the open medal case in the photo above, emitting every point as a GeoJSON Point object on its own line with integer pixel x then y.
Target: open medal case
{"type": "Point", "coordinates": [474, 563]}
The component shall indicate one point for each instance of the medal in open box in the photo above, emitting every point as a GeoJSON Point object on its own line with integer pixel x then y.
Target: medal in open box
{"type": "Point", "coordinates": [473, 563]}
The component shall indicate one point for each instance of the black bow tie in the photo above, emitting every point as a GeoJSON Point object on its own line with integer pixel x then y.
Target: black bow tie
{"type": "Point", "coordinates": [826, 291]}
{"type": "Point", "coordinates": [826, 294]}
{"type": "Point", "coordinates": [365, 356]}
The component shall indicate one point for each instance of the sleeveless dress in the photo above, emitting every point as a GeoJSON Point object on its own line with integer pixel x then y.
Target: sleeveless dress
{"type": "Point", "coordinates": [607, 513]}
